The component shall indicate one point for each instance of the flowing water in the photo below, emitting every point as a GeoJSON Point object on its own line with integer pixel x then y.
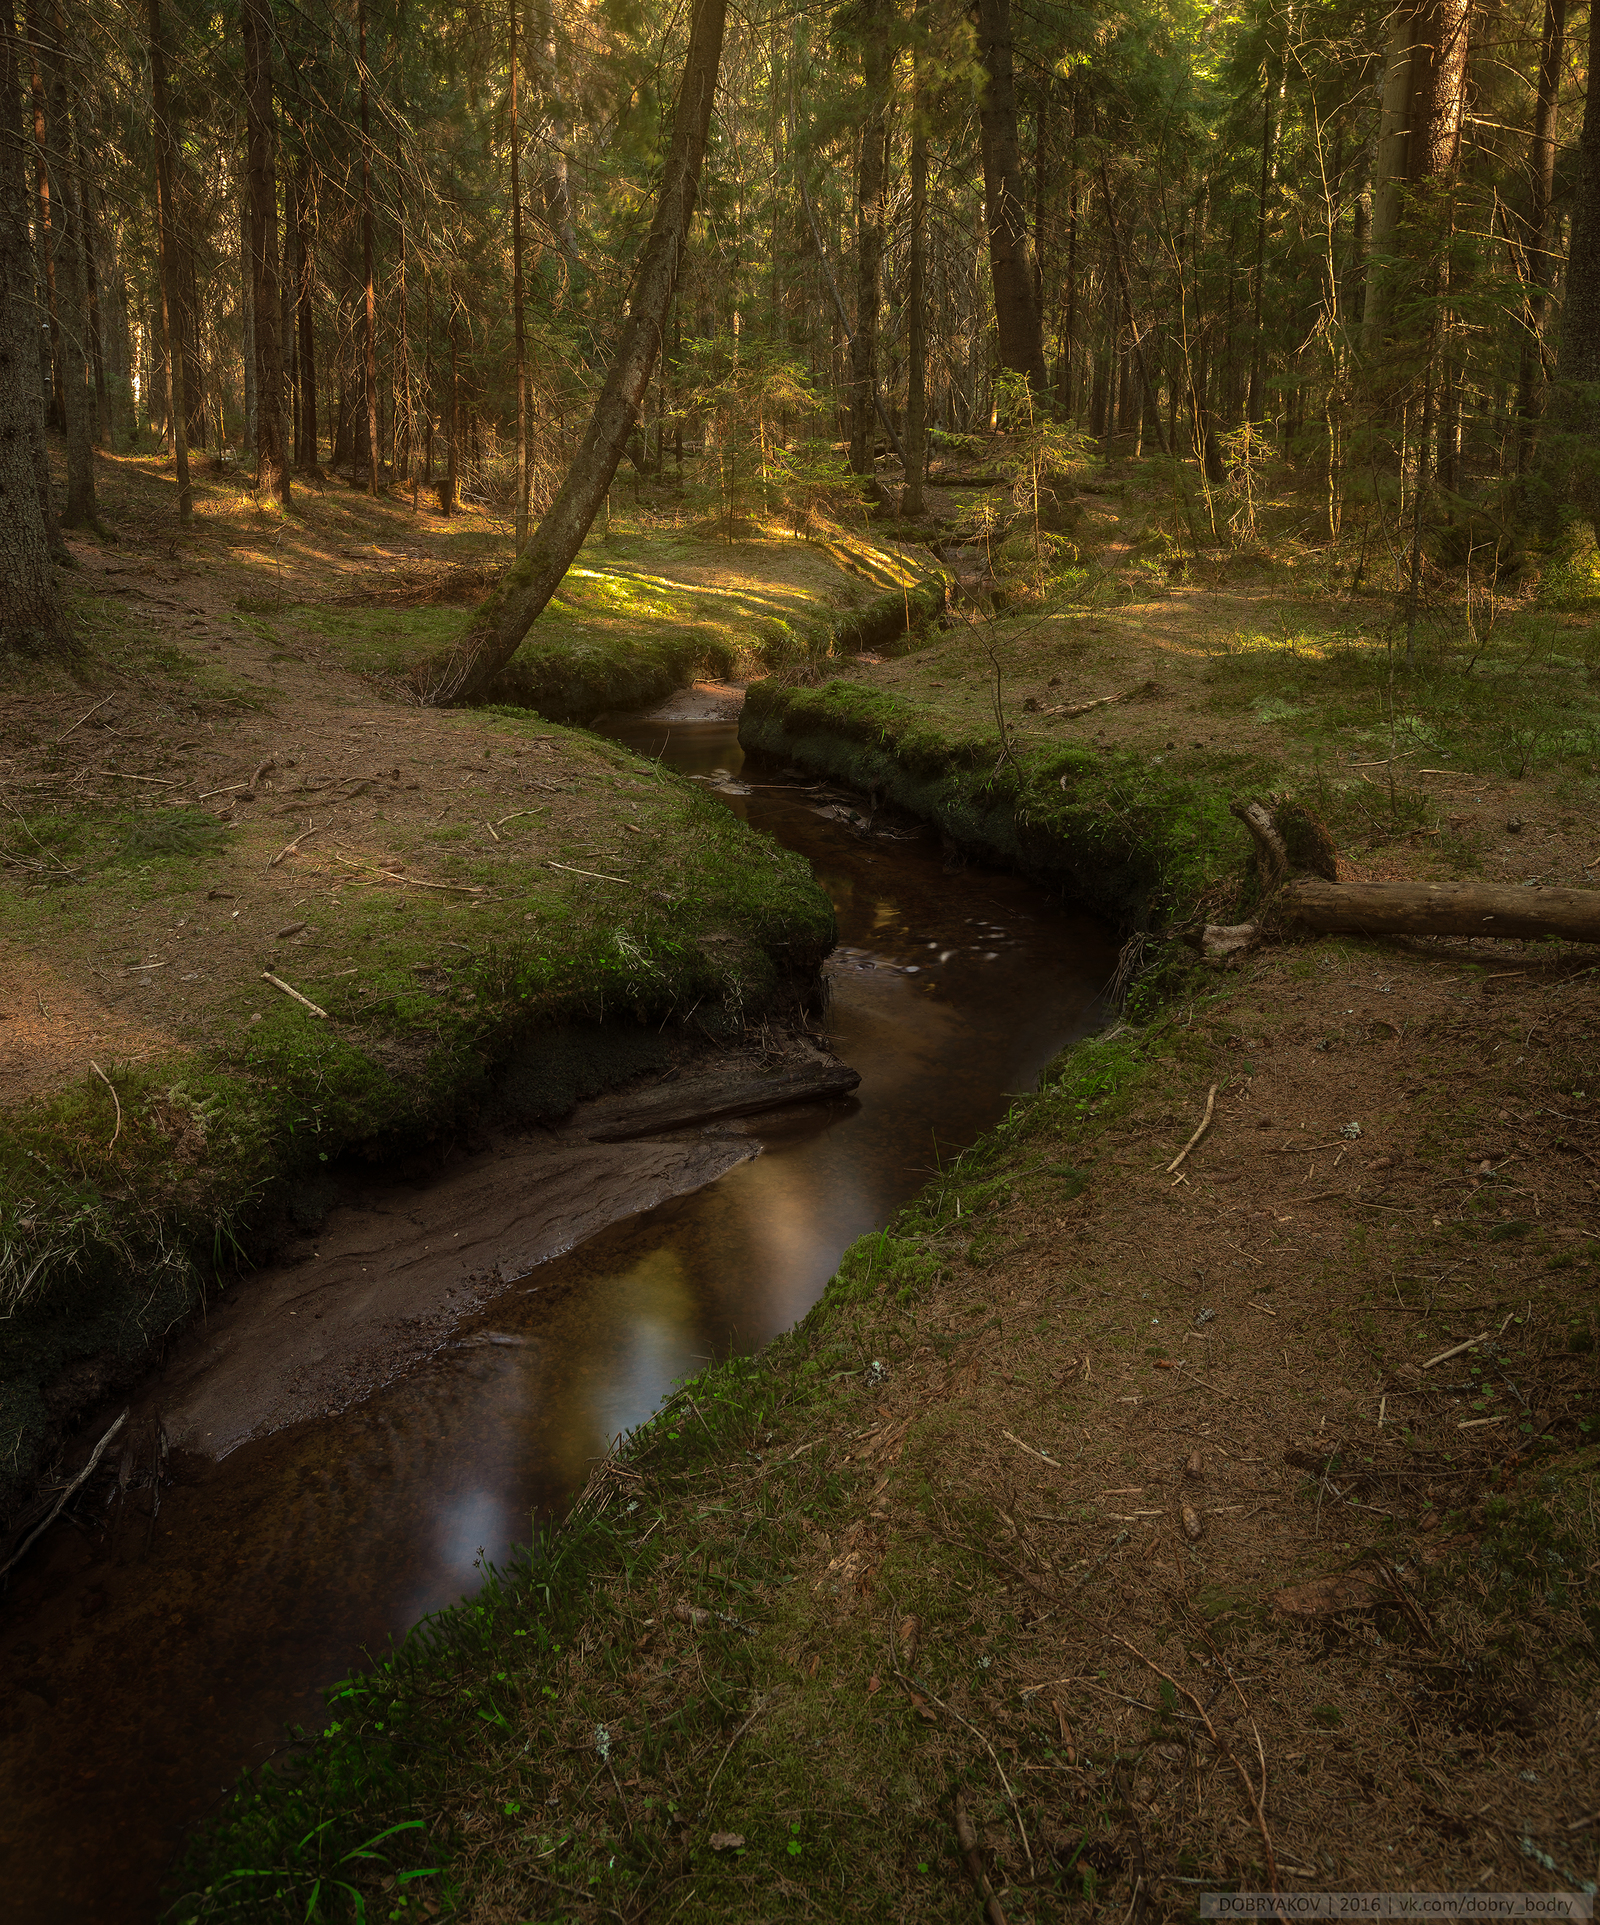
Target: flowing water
{"type": "Point", "coordinates": [141, 1674]}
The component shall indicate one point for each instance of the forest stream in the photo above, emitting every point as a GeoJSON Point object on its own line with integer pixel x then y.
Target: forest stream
{"type": "Point", "coordinates": [151, 1662]}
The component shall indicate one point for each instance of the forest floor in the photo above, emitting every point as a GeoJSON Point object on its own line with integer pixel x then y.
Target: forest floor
{"type": "Point", "coordinates": [1123, 1524]}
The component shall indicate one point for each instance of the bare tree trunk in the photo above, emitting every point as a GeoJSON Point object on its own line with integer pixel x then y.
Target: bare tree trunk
{"type": "Point", "coordinates": [31, 618]}
{"type": "Point", "coordinates": [369, 368]}
{"type": "Point", "coordinates": [44, 238]}
{"type": "Point", "coordinates": [166, 153]}
{"type": "Point", "coordinates": [916, 455]}
{"type": "Point", "coordinates": [272, 466]}
{"type": "Point", "coordinates": [1256, 398]}
{"type": "Point", "coordinates": [307, 454]}
{"type": "Point", "coordinates": [519, 332]}
{"type": "Point", "coordinates": [247, 310]}
{"type": "Point", "coordinates": [1419, 138]}
{"type": "Point", "coordinates": [871, 171]}
{"type": "Point", "coordinates": [1541, 173]}
{"type": "Point", "coordinates": [1127, 308]}
{"type": "Point", "coordinates": [67, 236]}
{"type": "Point", "coordinates": [497, 628]}
{"type": "Point", "coordinates": [1016, 306]}
{"type": "Point", "coordinates": [1569, 460]}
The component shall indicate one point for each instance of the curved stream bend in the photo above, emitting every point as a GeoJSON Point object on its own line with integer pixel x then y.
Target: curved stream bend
{"type": "Point", "coordinates": [152, 1663]}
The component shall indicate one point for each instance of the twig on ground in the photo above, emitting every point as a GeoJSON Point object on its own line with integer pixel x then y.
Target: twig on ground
{"type": "Point", "coordinates": [911, 1684]}
{"type": "Point", "coordinates": [1030, 1449]}
{"type": "Point", "coordinates": [1205, 1124]}
{"type": "Point", "coordinates": [760, 1706]}
{"type": "Point", "coordinates": [1444, 1356]}
{"type": "Point", "coordinates": [592, 874]}
{"type": "Point", "coordinates": [107, 1081]}
{"type": "Point", "coordinates": [968, 1839]}
{"type": "Point", "coordinates": [1258, 1799]}
{"type": "Point", "coordinates": [84, 718]}
{"type": "Point", "coordinates": [288, 989]}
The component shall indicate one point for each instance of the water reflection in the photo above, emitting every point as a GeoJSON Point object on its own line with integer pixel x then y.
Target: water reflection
{"type": "Point", "coordinates": [146, 1676]}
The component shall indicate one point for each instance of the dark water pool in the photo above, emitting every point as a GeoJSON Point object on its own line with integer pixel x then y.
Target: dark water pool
{"type": "Point", "coordinates": [138, 1677]}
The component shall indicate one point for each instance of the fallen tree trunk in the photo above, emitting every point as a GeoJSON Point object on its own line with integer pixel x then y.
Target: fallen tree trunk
{"type": "Point", "coordinates": [1443, 909]}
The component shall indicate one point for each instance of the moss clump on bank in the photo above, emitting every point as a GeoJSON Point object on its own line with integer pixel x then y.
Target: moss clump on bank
{"type": "Point", "coordinates": [1118, 832]}
{"type": "Point", "coordinates": [641, 614]}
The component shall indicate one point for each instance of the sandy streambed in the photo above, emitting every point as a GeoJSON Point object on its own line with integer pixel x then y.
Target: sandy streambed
{"type": "Point", "coordinates": [397, 1268]}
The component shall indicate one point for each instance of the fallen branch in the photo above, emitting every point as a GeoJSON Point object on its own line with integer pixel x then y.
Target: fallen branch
{"type": "Point", "coordinates": [592, 874]}
{"type": "Point", "coordinates": [1444, 909]}
{"type": "Point", "coordinates": [1444, 1356]}
{"type": "Point", "coordinates": [1142, 691]}
{"type": "Point", "coordinates": [949, 1711]}
{"type": "Point", "coordinates": [1272, 854]}
{"type": "Point", "coordinates": [1258, 1799]}
{"type": "Point", "coordinates": [1205, 1124]}
{"type": "Point", "coordinates": [288, 989]}
{"type": "Point", "coordinates": [84, 718]}
{"type": "Point", "coordinates": [81, 1479]}
{"type": "Point", "coordinates": [968, 1839]}
{"type": "Point", "coordinates": [289, 848]}
{"type": "Point", "coordinates": [107, 1081]}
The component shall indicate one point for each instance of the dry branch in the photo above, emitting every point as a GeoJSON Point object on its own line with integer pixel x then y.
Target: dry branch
{"type": "Point", "coordinates": [288, 989]}
{"type": "Point", "coordinates": [107, 1081]}
{"type": "Point", "coordinates": [1205, 1124]}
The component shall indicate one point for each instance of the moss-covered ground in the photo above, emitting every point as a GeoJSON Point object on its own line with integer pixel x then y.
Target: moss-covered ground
{"type": "Point", "coordinates": [1184, 1519]}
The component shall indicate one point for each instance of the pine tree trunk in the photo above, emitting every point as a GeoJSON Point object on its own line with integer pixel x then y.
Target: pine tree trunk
{"type": "Point", "coordinates": [871, 173]}
{"type": "Point", "coordinates": [272, 466]}
{"type": "Point", "coordinates": [247, 311]}
{"type": "Point", "coordinates": [916, 456]}
{"type": "Point", "coordinates": [308, 454]}
{"type": "Point", "coordinates": [1016, 305]}
{"type": "Point", "coordinates": [31, 617]}
{"type": "Point", "coordinates": [166, 157]}
{"type": "Point", "coordinates": [1571, 463]}
{"type": "Point", "coordinates": [519, 335]}
{"type": "Point", "coordinates": [77, 385]}
{"type": "Point", "coordinates": [1541, 174]}
{"type": "Point", "coordinates": [369, 369]}
{"type": "Point", "coordinates": [496, 629]}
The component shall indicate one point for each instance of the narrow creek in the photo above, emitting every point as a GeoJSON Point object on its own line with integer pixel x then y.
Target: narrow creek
{"type": "Point", "coordinates": [145, 1670]}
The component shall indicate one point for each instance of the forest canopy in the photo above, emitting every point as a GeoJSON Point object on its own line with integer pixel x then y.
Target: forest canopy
{"type": "Point", "coordinates": [402, 241]}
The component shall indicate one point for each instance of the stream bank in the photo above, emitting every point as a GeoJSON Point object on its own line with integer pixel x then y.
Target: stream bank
{"type": "Point", "coordinates": [1119, 1492]}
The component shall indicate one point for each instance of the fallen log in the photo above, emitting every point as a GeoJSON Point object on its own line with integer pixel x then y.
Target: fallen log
{"type": "Point", "coordinates": [714, 1098]}
{"type": "Point", "coordinates": [1443, 909]}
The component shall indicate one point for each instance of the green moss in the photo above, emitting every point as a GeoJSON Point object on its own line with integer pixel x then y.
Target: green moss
{"type": "Point", "coordinates": [1136, 840]}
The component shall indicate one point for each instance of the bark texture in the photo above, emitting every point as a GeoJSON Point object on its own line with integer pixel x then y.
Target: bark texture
{"type": "Point", "coordinates": [166, 166]}
{"type": "Point", "coordinates": [1444, 909]}
{"type": "Point", "coordinates": [871, 177]}
{"type": "Point", "coordinates": [272, 466]}
{"type": "Point", "coordinates": [66, 198]}
{"type": "Point", "coordinates": [497, 628]}
{"type": "Point", "coordinates": [1419, 140]}
{"type": "Point", "coordinates": [1542, 175]}
{"type": "Point", "coordinates": [916, 451]}
{"type": "Point", "coordinates": [1572, 464]}
{"type": "Point", "coordinates": [1016, 304]}
{"type": "Point", "coordinates": [31, 618]}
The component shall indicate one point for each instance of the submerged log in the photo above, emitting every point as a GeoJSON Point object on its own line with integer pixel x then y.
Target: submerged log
{"type": "Point", "coordinates": [1443, 909]}
{"type": "Point", "coordinates": [715, 1098]}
